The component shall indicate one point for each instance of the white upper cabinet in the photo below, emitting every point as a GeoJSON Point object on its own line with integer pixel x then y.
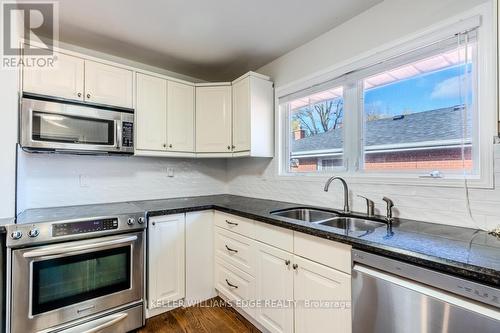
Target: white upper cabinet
{"type": "Point", "coordinates": [253, 116]}
{"type": "Point", "coordinates": [151, 113]}
{"type": "Point", "coordinates": [241, 115]}
{"type": "Point", "coordinates": [213, 119]}
{"type": "Point", "coordinates": [105, 84]}
{"type": "Point", "coordinates": [180, 117]}
{"type": "Point", "coordinates": [81, 79]}
{"type": "Point", "coordinates": [64, 80]}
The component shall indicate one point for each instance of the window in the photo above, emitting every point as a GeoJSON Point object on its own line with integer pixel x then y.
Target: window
{"type": "Point", "coordinates": [416, 117]}
{"type": "Point", "coordinates": [316, 131]}
{"type": "Point", "coordinates": [415, 114]}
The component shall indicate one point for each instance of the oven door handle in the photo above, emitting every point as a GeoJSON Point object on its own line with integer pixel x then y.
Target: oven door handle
{"type": "Point", "coordinates": [65, 249]}
{"type": "Point", "coordinates": [100, 324]}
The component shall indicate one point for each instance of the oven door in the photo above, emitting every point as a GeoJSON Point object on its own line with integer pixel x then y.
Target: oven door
{"type": "Point", "coordinates": [56, 284]}
{"type": "Point", "coordinates": [68, 127]}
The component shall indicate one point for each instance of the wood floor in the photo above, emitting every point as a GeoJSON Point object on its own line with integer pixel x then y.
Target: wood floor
{"type": "Point", "coordinates": [212, 316]}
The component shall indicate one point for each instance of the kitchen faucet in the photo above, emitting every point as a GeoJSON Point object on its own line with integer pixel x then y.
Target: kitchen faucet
{"type": "Point", "coordinates": [346, 191]}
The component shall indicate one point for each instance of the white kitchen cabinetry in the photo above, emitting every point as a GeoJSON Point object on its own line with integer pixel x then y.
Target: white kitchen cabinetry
{"type": "Point", "coordinates": [253, 116]}
{"type": "Point", "coordinates": [199, 256]}
{"type": "Point", "coordinates": [274, 283]}
{"type": "Point", "coordinates": [151, 115]}
{"type": "Point", "coordinates": [299, 287]}
{"type": "Point", "coordinates": [109, 85]}
{"type": "Point", "coordinates": [213, 119]}
{"type": "Point", "coordinates": [314, 283]}
{"type": "Point", "coordinates": [81, 79]}
{"type": "Point", "coordinates": [180, 117]}
{"type": "Point", "coordinates": [166, 260]}
{"type": "Point", "coordinates": [64, 80]}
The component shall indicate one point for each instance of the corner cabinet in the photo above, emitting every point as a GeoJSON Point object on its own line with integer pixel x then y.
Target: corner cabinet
{"type": "Point", "coordinates": [79, 79]}
{"type": "Point", "coordinates": [213, 118]}
{"type": "Point", "coordinates": [253, 116]}
{"type": "Point", "coordinates": [166, 261]}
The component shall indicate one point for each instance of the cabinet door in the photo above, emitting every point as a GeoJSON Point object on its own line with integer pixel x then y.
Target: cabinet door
{"type": "Point", "coordinates": [314, 283]}
{"type": "Point", "coordinates": [241, 115]}
{"type": "Point", "coordinates": [151, 112]}
{"type": "Point", "coordinates": [64, 80]}
{"type": "Point", "coordinates": [274, 282]}
{"type": "Point", "coordinates": [180, 117]}
{"type": "Point", "coordinates": [166, 259]}
{"type": "Point", "coordinates": [213, 119]}
{"type": "Point", "coordinates": [105, 84]}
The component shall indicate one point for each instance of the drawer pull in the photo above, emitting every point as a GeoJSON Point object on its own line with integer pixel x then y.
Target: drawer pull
{"type": "Point", "coordinates": [230, 249]}
{"type": "Point", "coordinates": [231, 285]}
{"type": "Point", "coordinates": [231, 223]}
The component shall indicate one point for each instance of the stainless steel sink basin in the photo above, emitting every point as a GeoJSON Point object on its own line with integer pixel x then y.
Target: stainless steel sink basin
{"type": "Point", "coordinates": [352, 223]}
{"type": "Point", "coordinates": [305, 214]}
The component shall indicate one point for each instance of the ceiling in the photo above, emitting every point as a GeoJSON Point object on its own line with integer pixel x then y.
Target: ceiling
{"type": "Point", "coordinates": [206, 39]}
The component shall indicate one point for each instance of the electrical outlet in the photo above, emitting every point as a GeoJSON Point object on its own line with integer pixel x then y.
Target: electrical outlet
{"type": "Point", "coordinates": [83, 180]}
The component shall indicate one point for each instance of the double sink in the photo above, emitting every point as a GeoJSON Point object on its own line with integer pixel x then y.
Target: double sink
{"type": "Point", "coordinates": [344, 221]}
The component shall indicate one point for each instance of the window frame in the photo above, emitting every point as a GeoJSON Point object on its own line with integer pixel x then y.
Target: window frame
{"type": "Point", "coordinates": [353, 100]}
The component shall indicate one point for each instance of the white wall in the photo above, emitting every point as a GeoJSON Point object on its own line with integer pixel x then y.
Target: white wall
{"type": "Point", "coordinates": [48, 180]}
{"type": "Point", "coordinates": [384, 23]}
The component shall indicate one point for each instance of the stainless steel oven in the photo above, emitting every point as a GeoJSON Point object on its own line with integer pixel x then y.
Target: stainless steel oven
{"type": "Point", "coordinates": [80, 280]}
{"type": "Point", "coordinates": [60, 126]}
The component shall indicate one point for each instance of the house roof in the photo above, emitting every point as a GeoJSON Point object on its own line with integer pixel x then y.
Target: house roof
{"type": "Point", "coordinates": [422, 129]}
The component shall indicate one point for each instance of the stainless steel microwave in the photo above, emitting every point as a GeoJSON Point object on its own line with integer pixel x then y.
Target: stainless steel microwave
{"type": "Point", "coordinates": [68, 127]}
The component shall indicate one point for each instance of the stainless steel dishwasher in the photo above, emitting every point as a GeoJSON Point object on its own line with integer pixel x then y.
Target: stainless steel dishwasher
{"type": "Point", "coordinates": [393, 296]}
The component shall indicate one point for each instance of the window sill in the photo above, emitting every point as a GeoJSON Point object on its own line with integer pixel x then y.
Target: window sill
{"type": "Point", "coordinates": [453, 181]}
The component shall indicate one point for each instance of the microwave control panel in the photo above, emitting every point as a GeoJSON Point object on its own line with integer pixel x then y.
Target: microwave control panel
{"type": "Point", "coordinates": [127, 134]}
{"type": "Point", "coordinates": [72, 228]}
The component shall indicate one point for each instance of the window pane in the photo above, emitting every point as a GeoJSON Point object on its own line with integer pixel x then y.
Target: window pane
{"type": "Point", "coordinates": [316, 131]}
{"type": "Point", "coordinates": [414, 115]}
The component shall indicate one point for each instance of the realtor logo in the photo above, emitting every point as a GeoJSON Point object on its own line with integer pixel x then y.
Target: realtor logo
{"type": "Point", "coordinates": [31, 22]}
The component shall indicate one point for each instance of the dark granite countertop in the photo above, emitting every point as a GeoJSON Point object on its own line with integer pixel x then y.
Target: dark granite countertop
{"type": "Point", "coordinates": [469, 253]}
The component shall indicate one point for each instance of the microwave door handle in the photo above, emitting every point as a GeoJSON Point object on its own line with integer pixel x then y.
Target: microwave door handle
{"type": "Point", "coordinates": [58, 249]}
{"type": "Point", "coordinates": [98, 325]}
{"type": "Point", "coordinates": [118, 134]}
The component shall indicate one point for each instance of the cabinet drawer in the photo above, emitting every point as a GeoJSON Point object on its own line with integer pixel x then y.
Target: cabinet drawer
{"type": "Point", "coordinates": [235, 223]}
{"type": "Point", "coordinates": [234, 284]}
{"type": "Point", "coordinates": [333, 254]}
{"type": "Point", "coordinates": [276, 236]}
{"type": "Point", "coordinates": [235, 249]}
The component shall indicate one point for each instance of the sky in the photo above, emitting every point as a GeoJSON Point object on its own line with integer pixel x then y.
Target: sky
{"type": "Point", "coordinates": [421, 93]}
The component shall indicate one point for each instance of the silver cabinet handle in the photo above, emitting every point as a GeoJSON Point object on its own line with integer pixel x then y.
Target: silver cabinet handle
{"type": "Point", "coordinates": [66, 249]}
{"type": "Point", "coordinates": [231, 285]}
{"type": "Point", "coordinates": [100, 324]}
{"type": "Point", "coordinates": [231, 223]}
{"type": "Point", "coordinates": [230, 249]}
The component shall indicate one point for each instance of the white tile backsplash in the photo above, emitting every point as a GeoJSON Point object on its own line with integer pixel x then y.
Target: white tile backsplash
{"type": "Point", "coordinates": [57, 180]}
{"type": "Point", "coordinates": [444, 205]}
{"type": "Point", "coordinates": [48, 180]}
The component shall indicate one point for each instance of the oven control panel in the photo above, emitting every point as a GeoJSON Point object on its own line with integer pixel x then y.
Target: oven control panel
{"type": "Point", "coordinates": [73, 228]}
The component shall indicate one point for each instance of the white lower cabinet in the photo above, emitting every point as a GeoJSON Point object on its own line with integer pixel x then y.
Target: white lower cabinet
{"type": "Point", "coordinates": [274, 288]}
{"type": "Point", "coordinates": [292, 293]}
{"type": "Point", "coordinates": [166, 261]}
{"type": "Point", "coordinates": [322, 296]}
